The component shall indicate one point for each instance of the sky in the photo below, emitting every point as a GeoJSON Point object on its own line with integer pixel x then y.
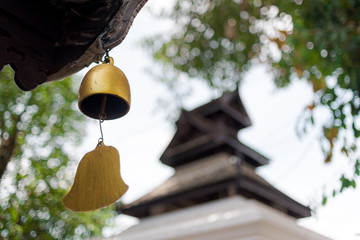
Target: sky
{"type": "Point", "coordinates": [296, 162]}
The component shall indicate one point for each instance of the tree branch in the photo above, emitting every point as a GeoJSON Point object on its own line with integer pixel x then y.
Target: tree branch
{"type": "Point", "coordinates": [7, 148]}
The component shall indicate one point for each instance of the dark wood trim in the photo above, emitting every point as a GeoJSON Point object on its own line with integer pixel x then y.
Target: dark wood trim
{"type": "Point", "coordinates": [245, 186]}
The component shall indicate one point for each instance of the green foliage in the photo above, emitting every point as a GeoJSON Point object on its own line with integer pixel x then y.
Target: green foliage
{"type": "Point", "coordinates": [316, 41]}
{"type": "Point", "coordinates": [39, 170]}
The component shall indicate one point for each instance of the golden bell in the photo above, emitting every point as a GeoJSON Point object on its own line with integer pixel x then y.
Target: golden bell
{"type": "Point", "coordinates": [98, 182]}
{"type": "Point", "coordinates": [104, 89]}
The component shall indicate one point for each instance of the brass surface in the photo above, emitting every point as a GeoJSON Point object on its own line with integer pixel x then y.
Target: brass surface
{"type": "Point", "coordinates": [104, 80]}
{"type": "Point", "coordinates": [98, 182]}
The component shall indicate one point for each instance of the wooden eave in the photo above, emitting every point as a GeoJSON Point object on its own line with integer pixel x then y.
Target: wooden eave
{"type": "Point", "coordinates": [49, 40]}
{"type": "Point", "coordinates": [210, 179]}
{"type": "Point", "coordinates": [208, 145]}
{"type": "Point", "coordinates": [248, 188]}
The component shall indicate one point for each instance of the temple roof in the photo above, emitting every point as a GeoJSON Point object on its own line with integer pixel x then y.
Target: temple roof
{"type": "Point", "coordinates": [209, 129]}
{"type": "Point", "coordinates": [211, 163]}
{"type": "Point", "coordinates": [207, 145]}
{"type": "Point", "coordinates": [209, 179]}
{"type": "Point", "coordinates": [47, 40]}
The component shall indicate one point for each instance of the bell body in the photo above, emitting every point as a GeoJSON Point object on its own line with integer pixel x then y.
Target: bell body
{"type": "Point", "coordinates": [98, 182]}
{"type": "Point", "coordinates": [104, 89]}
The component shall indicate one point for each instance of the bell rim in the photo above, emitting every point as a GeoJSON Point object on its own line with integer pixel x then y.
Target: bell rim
{"type": "Point", "coordinates": [128, 104]}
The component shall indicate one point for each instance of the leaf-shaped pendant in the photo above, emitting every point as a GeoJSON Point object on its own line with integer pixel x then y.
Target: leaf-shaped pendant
{"type": "Point", "coordinates": [98, 182]}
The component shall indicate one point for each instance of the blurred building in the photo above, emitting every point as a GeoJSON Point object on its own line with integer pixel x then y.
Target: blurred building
{"type": "Point", "coordinates": [215, 192]}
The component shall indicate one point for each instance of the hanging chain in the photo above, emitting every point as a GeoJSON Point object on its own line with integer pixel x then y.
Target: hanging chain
{"type": "Point", "coordinates": [102, 117]}
{"type": "Point", "coordinates": [106, 57]}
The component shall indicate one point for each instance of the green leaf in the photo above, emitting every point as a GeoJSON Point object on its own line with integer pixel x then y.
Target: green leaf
{"type": "Point", "coordinates": [324, 200]}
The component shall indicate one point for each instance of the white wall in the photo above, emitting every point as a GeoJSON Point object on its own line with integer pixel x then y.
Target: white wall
{"type": "Point", "coordinates": [226, 219]}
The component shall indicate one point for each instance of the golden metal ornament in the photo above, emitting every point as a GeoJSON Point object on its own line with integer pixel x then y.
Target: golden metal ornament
{"type": "Point", "coordinates": [98, 182]}
{"type": "Point", "coordinates": [104, 81]}
{"type": "Point", "coordinates": [104, 94]}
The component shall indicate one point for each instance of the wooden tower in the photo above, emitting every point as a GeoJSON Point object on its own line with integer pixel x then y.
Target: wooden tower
{"type": "Point", "coordinates": [211, 163]}
{"type": "Point", "coordinates": [215, 192]}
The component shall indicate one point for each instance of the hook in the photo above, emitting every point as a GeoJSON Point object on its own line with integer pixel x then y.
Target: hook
{"type": "Point", "coordinates": [106, 57]}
